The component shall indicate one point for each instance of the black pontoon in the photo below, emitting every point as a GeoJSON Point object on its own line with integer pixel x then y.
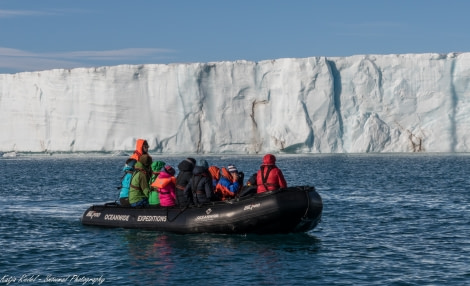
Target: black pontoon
{"type": "Point", "coordinates": [293, 209]}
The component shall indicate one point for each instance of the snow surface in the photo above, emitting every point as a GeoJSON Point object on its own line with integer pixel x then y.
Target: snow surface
{"type": "Point", "coordinates": [364, 103]}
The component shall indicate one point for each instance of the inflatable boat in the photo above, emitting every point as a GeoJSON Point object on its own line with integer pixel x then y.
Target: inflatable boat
{"type": "Point", "coordinates": [288, 210]}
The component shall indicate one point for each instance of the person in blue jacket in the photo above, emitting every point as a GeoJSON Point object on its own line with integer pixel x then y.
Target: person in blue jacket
{"type": "Point", "coordinates": [128, 170]}
{"type": "Point", "coordinates": [229, 183]}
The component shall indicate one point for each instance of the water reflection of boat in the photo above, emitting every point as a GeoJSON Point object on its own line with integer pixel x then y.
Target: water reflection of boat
{"type": "Point", "coordinates": [293, 209]}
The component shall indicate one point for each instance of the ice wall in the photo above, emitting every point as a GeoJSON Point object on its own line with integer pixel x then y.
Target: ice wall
{"type": "Point", "coordinates": [367, 103]}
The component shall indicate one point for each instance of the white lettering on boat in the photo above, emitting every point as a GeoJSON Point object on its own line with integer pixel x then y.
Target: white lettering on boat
{"type": "Point", "coordinates": [151, 218]}
{"type": "Point", "coordinates": [92, 214]}
{"type": "Point", "coordinates": [252, 206]}
{"type": "Point", "coordinates": [116, 217]}
{"type": "Point", "coordinates": [207, 217]}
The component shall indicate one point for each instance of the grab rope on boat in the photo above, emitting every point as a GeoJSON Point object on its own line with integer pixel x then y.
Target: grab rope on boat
{"type": "Point", "coordinates": [308, 203]}
{"type": "Point", "coordinates": [181, 211]}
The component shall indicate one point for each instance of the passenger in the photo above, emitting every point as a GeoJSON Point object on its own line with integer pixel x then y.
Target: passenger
{"type": "Point", "coordinates": [139, 189]}
{"type": "Point", "coordinates": [185, 168]}
{"type": "Point", "coordinates": [269, 176]}
{"type": "Point", "coordinates": [141, 148]}
{"type": "Point", "coordinates": [250, 187]}
{"type": "Point", "coordinates": [154, 198]}
{"type": "Point", "coordinates": [126, 182]}
{"type": "Point", "coordinates": [227, 186]}
{"type": "Point", "coordinates": [252, 180]}
{"type": "Point", "coordinates": [239, 176]}
{"type": "Point", "coordinates": [199, 190]}
{"type": "Point", "coordinates": [215, 174]}
{"type": "Point", "coordinates": [156, 168]}
{"type": "Point", "coordinates": [165, 184]}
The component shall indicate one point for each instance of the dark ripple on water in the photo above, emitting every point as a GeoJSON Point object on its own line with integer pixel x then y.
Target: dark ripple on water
{"type": "Point", "coordinates": [388, 220]}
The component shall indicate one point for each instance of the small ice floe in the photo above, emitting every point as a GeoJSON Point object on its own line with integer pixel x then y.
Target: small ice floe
{"type": "Point", "coordinates": [120, 153]}
{"type": "Point", "coordinates": [8, 154]}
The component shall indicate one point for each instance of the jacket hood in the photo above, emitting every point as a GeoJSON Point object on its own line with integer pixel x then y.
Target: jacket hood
{"type": "Point", "coordinates": [203, 163]}
{"type": "Point", "coordinates": [127, 168]}
{"type": "Point", "coordinates": [199, 170]}
{"type": "Point", "coordinates": [157, 166]}
{"type": "Point", "coordinates": [164, 175]}
{"type": "Point", "coordinates": [269, 159]}
{"type": "Point", "coordinates": [139, 165]}
{"type": "Point", "coordinates": [187, 164]}
{"type": "Point", "coordinates": [138, 149]}
{"type": "Point", "coordinates": [145, 160]}
{"type": "Point", "coordinates": [130, 164]}
{"type": "Point", "coordinates": [139, 144]}
{"type": "Point", "coordinates": [169, 170]}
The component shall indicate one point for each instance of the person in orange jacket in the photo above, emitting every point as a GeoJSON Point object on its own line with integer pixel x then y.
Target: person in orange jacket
{"type": "Point", "coordinates": [215, 174]}
{"type": "Point", "coordinates": [228, 185]}
{"type": "Point", "coordinates": [141, 148]}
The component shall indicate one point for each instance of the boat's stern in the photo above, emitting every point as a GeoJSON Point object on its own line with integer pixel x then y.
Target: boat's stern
{"type": "Point", "coordinates": [313, 212]}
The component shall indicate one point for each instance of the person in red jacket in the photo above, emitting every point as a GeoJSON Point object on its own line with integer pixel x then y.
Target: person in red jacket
{"type": "Point", "coordinates": [269, 176]}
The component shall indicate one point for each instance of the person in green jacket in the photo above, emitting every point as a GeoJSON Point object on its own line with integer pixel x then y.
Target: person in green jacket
{"type": "Point", "coordinates": [154, 198]}
{"type": "Point", "coordinates": [139, 189]}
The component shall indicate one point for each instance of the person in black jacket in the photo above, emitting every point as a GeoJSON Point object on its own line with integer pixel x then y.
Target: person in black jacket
{"type": "Point", "coordinates": [199, 189]}
{"type": "Point", "coordinates": [185, 168]}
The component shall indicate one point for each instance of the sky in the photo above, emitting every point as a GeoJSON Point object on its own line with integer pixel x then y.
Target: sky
{"type": "Point", "coordinates": [49, 34]}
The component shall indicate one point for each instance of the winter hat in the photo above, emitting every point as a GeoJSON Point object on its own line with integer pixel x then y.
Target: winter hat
{"type": "Point", "coordinates": [232, 169]}
{"type": "Point", "coordinates": [169, 169]}
{"type": "Point", "coordinates": [146, 160]}
{"type": "Point", "coordinates": [203, 163]}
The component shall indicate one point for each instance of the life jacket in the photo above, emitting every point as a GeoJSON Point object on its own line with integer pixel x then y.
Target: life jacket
{"type": "Point", "coordinates": [165, 185]}
{"type": "Point", "coordinates": [270, 178]}
{"type": "Point", "coordinates": [221, 190]}
{"type": "Point", "coordinates": [161, 183]}
{"type": "Point", "coordinates": [215, 172]}
{"type": "Point", "coordinates": [154, 197]}
{"type": "Point", "coordinates": [265, 176]}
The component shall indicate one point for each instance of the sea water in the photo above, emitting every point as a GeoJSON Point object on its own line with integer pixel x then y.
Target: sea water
{"type": "Point", "coordinates": [388, 220]}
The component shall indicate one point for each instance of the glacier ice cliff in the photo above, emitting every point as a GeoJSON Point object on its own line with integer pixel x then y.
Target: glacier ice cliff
{"type": "Point", "coordinates": [357, 104]}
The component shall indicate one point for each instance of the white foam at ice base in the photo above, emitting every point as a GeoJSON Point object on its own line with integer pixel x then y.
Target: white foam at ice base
{"type": "Point", "coordinates": [364, 103]}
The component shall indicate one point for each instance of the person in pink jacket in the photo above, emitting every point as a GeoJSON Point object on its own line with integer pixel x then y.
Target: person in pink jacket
{"type": "Point", "coordinates": [165, 185]}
